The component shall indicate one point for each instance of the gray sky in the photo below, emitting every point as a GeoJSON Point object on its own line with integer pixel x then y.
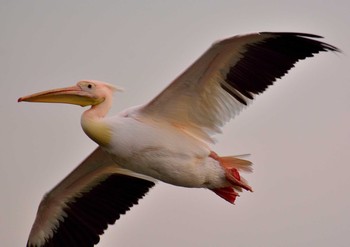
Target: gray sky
{"type": "Point", "coordinates": [297, 132]}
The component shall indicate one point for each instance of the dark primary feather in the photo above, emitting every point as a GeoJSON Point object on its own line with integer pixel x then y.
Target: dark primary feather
{"type": "Point", "coordinates": [89, 215]}
{"type": "Point", "coordinates": [263, 62]}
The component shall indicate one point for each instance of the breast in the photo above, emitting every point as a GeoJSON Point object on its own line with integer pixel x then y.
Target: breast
{"type": "Point", "coordinates": [98, 130]}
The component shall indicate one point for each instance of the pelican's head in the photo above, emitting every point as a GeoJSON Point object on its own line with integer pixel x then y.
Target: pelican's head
{"type": "Point", "coordinates": [84, 93]}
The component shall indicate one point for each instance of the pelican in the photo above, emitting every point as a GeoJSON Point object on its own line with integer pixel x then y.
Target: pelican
{"type": "Point", "coordinates": [167, 139]}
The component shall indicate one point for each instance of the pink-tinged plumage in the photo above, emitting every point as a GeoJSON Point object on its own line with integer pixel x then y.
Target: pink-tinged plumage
{"type": "Point", "coordinates": [166, 139]}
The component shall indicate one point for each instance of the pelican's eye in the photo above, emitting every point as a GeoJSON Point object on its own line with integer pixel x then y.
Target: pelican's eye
{"type": "Point", "coordinates": [87, 85]}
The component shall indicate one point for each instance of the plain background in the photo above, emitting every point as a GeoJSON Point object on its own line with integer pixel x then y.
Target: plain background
{"type": "Point", "coordinates": [298, 132]}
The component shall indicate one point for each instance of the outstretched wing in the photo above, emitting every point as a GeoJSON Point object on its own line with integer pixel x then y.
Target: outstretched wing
{"type": "Point", "coordinates": [80, 207]}
{"type": "Point", "coordinates": [227, 77]}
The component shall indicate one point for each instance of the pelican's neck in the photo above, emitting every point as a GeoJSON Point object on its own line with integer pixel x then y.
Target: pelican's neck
{"type": "Point", "coordinates": [94, 124]}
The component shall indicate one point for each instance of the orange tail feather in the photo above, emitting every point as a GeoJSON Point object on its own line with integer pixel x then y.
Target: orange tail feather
{"type": "Point", "coordinates": [232, 166]}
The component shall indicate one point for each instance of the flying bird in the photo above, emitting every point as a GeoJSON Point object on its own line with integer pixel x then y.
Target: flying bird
{"type": "Point", "coordinates": [168, 139]}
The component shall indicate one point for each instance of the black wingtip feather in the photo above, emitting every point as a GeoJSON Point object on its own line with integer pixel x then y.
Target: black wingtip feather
{"type": "Point", "coordinates": [89, 215]}
{"type": "Point", "coordinates": [327, 47]}
{"type": "Point", "coordinates": [309, 35]}
{"type": "Point", "coordinates": [265, 61]}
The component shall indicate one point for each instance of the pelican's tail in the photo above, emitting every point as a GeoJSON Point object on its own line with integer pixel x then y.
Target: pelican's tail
{"type": "Point", "coordinates": [233, 166]}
